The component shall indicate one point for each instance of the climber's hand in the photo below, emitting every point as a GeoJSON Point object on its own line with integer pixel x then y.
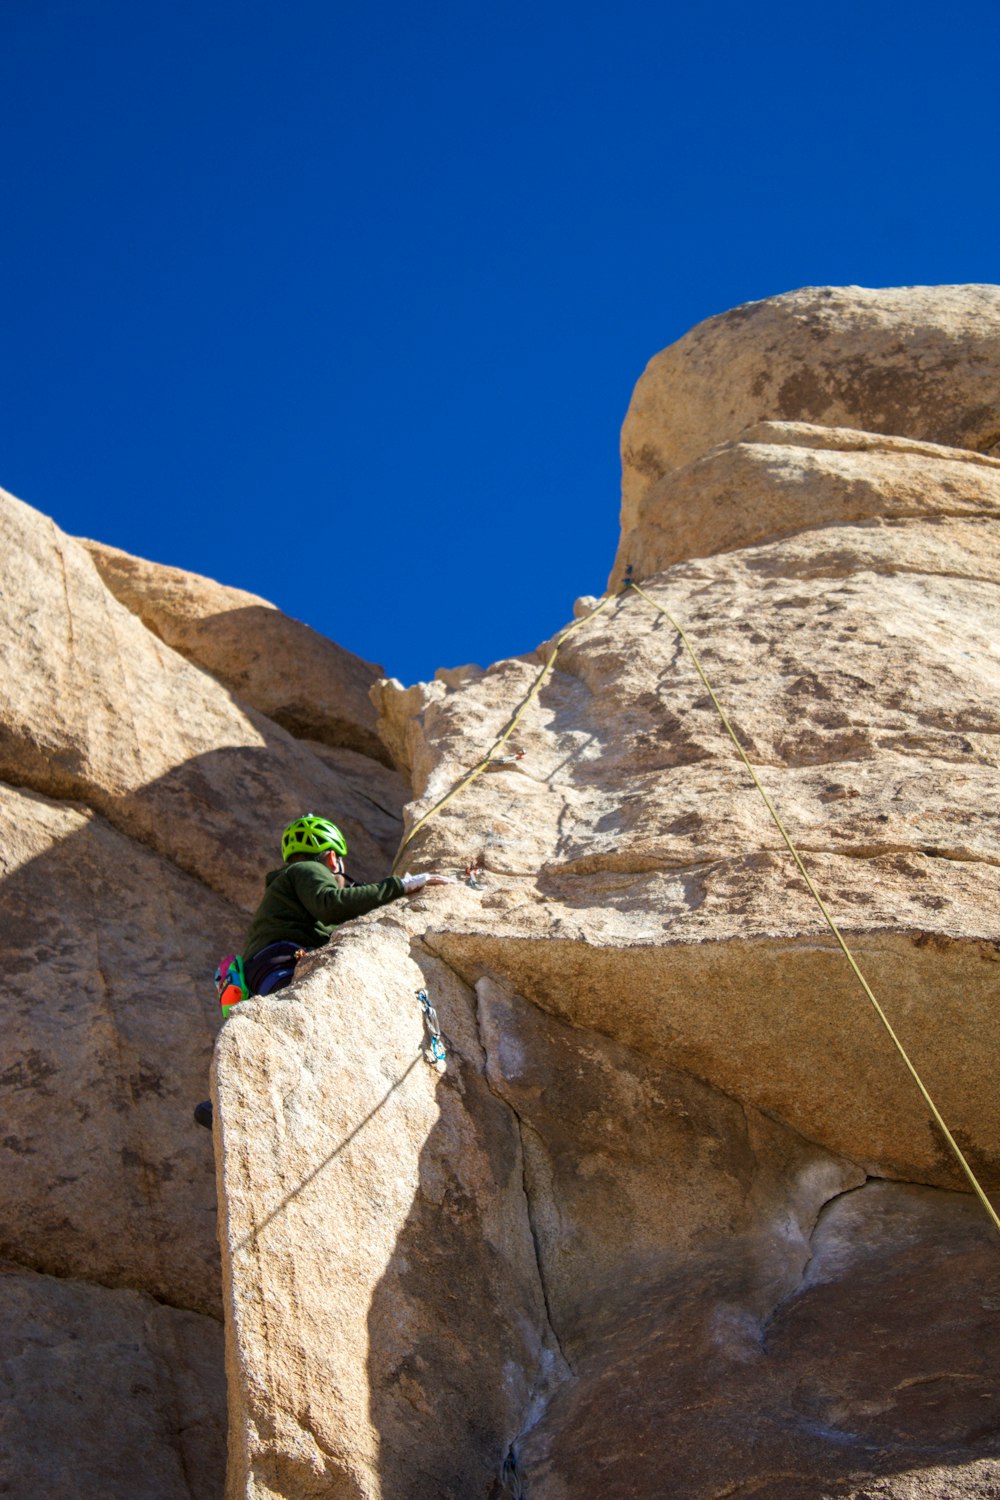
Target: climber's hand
{"type": "Point", "coordinates": [413, 883]}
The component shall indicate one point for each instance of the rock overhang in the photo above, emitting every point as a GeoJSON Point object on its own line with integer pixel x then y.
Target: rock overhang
{"type": "Point", "coordinates": [778, 1022]}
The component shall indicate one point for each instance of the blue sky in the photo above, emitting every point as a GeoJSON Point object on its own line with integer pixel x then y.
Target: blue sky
{"type": "Point", "coordinates": [344, 304]}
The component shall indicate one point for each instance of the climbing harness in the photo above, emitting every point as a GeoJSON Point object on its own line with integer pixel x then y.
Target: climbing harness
{"type": "Point", "coordinates": [434, 1051]}
{"type": "Point", "coordinates": [939, 1121]}
{"type": "Point", "coordinates": [491, 755]}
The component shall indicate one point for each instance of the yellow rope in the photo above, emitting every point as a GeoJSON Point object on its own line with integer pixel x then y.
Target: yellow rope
{"type": "Point", "coordinates": [956, 1149]}
{"type": "Point", "coordinates": [480, 767]}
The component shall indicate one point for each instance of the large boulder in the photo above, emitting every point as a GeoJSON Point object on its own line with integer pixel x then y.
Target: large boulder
{"type": "Point", "coordinates": [300, 679]}
{"type": "Point", "coordinates": [784, 477]}
{"type": "Point", "coordinates": [140, 805]}
{"type": "Point", "coordinates": [693, 1066]}
{"type": "Point", "coordinates": [634, 879]}
{"type": "Point", "coordinates": [96, 708]}
{"type": "Point", "coordinates": [918, 362]}
{"type": "Point", "coordinates": [415, 1258]}
{"type": "Point", "coordinates": [387, 1326]}
{"type": "Point", "coordinates": [660, 1066]}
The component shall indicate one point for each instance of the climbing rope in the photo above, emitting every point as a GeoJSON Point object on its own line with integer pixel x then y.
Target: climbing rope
{"type": "Point", "coordinates": [952, 1143]}
{"type": "Point", "coordinates": [491, 757]}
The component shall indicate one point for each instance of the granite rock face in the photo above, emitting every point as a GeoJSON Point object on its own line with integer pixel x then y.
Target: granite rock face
{"type": "Point", "coordinates": [671, 1217]}
{"type": "Point", "coordinates": [109, 1022]}
{"type": "Point", "coordinates": [107, 1393]}
{"type": "Point", "coordinates": [780, 478]}
{"type": "Point", "coordinates": [387, 1325]}
{"type": "Point", "coordinates": [916, 362]}
{"type": "Point", "coordinates": [140, 804]}
{"type": "Point", "coordinates": [714, 1198]}
{"type": "Point", "coordinates": [636, 884]}
{"type": "Point", "coordinates": [738, 1200]}
{"type": "Point", "coordinates": [97, 709]}
{"type": "Point", "coordinates": [297, 677]}
{"type": "Point", "coordinates": [876, 1376]}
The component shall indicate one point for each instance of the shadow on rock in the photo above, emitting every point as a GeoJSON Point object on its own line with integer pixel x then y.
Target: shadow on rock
{"type": "Point", "coordinates": [459, 1338]}
{"type": "Point", "coordinates": [881, 1370]}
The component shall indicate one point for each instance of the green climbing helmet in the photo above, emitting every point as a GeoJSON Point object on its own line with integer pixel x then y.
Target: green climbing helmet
{"type": "Point", "coordinates": [312, 835]}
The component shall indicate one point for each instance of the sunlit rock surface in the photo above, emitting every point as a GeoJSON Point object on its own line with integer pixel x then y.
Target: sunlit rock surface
{"type": "Point", "coordinates": [387, 1323]}
{"type": "Point", "coordinates": [140, 805]}
{"type": "Point", "coordinates": [915, 361]}
{"type": "Point", "coordinates": [299, 678]}
{"type": "Point", "coordinates": [672, 1218]}
{"type": "Point", "coordinates": [779, 478]}
{"type": "Point", "coordinates": [647, 958]}
{"type": "Point", "coordinates": [736, 1199]}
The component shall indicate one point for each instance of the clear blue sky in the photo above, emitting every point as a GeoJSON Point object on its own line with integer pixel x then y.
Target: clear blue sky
{"type": "Point", "coordinates": [344, 304]}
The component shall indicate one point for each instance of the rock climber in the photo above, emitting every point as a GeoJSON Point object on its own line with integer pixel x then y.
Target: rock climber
{"type": "Point", "coordinates": [303, 902]}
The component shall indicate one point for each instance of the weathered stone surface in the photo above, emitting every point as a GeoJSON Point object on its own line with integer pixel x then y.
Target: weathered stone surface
{"type": "Point", "coordinates": [677, 1042]}
{"type": "Point", "coordinates": [622, 1238]}
{"type": "Point", "coordinates": [387, 1329]}
{"type": "Point", "coordinates": [107, 1394]}
{"type": "Point", "coordinates": [369, 794]}
{"type": "Point", "coordinates": [300, 679]}
{"type": "Point", "coordinates": [109, 1020]}
{"type": "Point", "coordinates": [878, 1376]}
{"type": "Point", "coordinates": [631, 1166]}
{"type": "Point", "coordinates": [692, 1064]}
{"type": "Point", "coordinates": [140, 804]}
{"type": "Point", "coordinates": [919, 362]}
{"type": "Point", "coordinates": [456, 1283]}
{"type": "Point", "coordinates": [781, 478]}
{"type": "Point", "coordinates": [95, 708]}
{"type": "Point", "coordinates": [637, 884]}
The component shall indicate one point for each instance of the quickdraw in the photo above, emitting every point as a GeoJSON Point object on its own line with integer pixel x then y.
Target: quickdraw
{"type": "Point", "coordinates": [505, 760]}
{"type": "Point", "coordinates": [434, 1052]}
{"type": "Point", "coordinates": [471, 875]}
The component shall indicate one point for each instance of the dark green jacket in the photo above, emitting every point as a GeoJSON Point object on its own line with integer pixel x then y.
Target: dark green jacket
{"type": "Point", "coordinates": [303, 904]}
